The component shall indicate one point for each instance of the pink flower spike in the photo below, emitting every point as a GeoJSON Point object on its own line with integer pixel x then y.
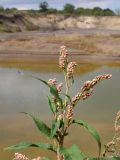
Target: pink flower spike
{"type": "Point", "coordinates": [59, 87]}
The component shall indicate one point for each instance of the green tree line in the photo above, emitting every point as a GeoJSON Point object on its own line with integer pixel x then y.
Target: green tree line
{"type": "Point", "coordinates": [68, 8]}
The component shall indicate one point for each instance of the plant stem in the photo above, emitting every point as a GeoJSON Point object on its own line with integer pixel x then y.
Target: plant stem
{"type": "Point", "coordinates": [66, 85]}
{"type": "Point", "coordinates": [60, 145]}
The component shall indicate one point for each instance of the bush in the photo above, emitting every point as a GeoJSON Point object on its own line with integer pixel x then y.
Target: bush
{"type": "Point", "coordinates": [69, 8]}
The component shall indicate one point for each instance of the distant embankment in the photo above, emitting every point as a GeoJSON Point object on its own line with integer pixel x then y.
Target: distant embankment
{"type": "Point", "coordinates": [19, 22]}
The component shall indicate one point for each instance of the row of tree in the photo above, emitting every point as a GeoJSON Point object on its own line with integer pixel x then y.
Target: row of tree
{"type": "Point", "coordinates": [7, 10]}
{"type": "Point", "coordinates": [68, 9]}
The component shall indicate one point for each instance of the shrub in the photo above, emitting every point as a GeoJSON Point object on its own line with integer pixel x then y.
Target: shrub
{"type": "Point", "coordinates": [69, 8]}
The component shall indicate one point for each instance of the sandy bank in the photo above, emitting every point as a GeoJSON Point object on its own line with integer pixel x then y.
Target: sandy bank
{"type": "Point", "coordinates": [33, 45]}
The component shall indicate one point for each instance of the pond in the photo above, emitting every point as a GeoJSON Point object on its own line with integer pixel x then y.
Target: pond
{"type": "Point", "coordinates": [20, 93]}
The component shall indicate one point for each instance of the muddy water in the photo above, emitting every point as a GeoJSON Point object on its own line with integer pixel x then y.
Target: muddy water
{"type": "Point", "coordinates": [19, 93]}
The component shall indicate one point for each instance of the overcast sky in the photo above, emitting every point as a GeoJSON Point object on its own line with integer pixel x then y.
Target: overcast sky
{"type": "Point", "coordinates": [33, 4]}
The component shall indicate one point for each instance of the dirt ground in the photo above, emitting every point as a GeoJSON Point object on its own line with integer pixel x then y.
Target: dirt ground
{"type": "Point", "coordinates": [34, 46]}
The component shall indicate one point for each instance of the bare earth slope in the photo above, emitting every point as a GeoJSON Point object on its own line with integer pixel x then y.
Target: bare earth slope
{"type": "Point", "coordinates": [24, 22]}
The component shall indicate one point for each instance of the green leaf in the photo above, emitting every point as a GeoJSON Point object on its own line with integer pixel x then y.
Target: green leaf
{"type": "Point", "coordinates": [38, 79]}
{"type": "Point", "coordinates": [55, 127]}
{"type": "Point", "coordinates": [52, 105]}
{"type": "Point", "coordinates": [27, 144]}
{"type": "Point", "coordinates": [91, 130]}
{"type": "Point", "coordinates": [19, 146]}
{"type": "Point", "coordinates": [53, 89]}
{"type": "Point", "coordinates": [42, 127]}
{"type": "Point", "coordinates": [54, 92]}
{"type": "Point", "coordinates": [72, 153]}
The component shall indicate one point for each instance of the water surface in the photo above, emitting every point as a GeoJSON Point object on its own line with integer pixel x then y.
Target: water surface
{"type": "Point", "coordinates": [19, 93]}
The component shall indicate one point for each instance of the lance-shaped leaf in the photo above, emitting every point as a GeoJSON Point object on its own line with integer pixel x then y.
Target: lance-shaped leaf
{"type": "Point", "coordinates": [42, 127]}
{"type": "Point", "coordinates": [27, 144]}
{"type": "Point", "coordinates": [91, 130]}
{"type": "Point", "coordinates": [51, 105]}
{"type": "Point", "coordinates": [37, 78]}
{"type": "Point", "coordinates": [72, 153]}
{"type": "Point", "coordinates": [55, 127]}
{"type": "Point", "coordinates": [53, 89]}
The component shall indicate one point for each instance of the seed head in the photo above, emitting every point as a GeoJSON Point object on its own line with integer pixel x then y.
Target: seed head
{"type": "Point", "coordinates": [70, 69]}
{"type": "Point", "coordinates": [110, 143]}
{"type": "Point", "coordinates": [63, 61]}
{"type": "Point", "coordinates": [19, 156]}
{"type": "Point", "coordinates": [59, 87]}
{"type": "Point", "coordinates": [52, 81]}
{"type": "Point", "coordinates": [76, 98]}
{"type": "Point", "coordinates": [90, 84]}
{"type": "Point", "coordinates": [86, 95]}
{"type": "Point", "coordinates": [70, 112]}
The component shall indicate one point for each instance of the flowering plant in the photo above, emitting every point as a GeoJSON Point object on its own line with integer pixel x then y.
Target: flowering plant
{"type": "Point", "coordinates": [63, 115]}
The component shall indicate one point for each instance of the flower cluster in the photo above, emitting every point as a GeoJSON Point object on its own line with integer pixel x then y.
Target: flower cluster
{"type": "Point", "coordinates": [76, 98]}
{"type": "Point", "coordinates": [70, 69]}
{"type": "Point", "coordinates": [70, 113]}
{"type": "Point", "coordinates": [19, 156]}
{"type": "Point", "coordinates": [64, 64]}
{"type": "Point", "coordinates": [90, 84]}
{"type": "Point", "coordinates": [87, 88]}
{"type": "Point", "coordinates": [63, 61]}
{"type": "Point", "coordinates": [86, 95]}
{"type": "Point", "coordinates": [54, 83]}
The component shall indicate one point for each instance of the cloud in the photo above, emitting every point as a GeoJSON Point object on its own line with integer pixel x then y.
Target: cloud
{"type": "Point", "coordinates": [94, 3]}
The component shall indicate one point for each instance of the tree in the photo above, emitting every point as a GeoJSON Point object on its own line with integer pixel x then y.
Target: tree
{"type": "Point", "coordinates": [80, 11]}
{"type": "Point", "coordinates": [108, 12]}
{"type": "Point", "coordinates": [88, 12]}
{"type": "Point", "coordinates": [43, 6]}
{"type": "Point", "coordinates": [52, 10]}
{"type": "Point", "coordinates": [69, 8]}
{"type": "Point", "coordinates": [97, 11]}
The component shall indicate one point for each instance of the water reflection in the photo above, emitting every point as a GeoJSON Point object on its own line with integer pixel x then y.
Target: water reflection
{"type": "Point", "coordinates": [19, 93]}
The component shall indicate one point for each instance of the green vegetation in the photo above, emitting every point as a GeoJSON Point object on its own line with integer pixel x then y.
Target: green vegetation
{"type": "Point", "coordinates": [8, 10]}
{"type": "Point", "coordinates": [67, 9]}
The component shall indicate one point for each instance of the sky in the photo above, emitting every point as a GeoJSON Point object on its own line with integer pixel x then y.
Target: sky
{"type": "Point", "coordinates": [33, 4]}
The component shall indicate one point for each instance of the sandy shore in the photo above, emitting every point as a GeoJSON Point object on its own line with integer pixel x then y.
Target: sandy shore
{"type": "Point", "coordinates": [84, 44]}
